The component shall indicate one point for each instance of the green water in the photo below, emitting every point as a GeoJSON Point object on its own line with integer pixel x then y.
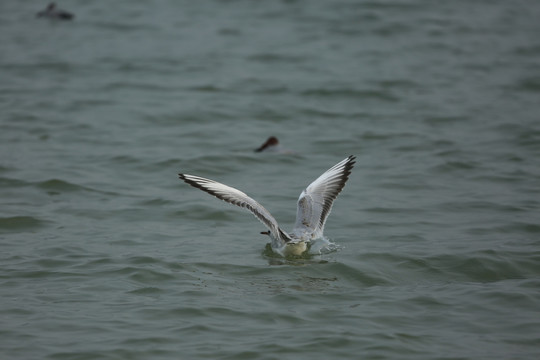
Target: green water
{"type": "Point", "coordinates": [106, 254]}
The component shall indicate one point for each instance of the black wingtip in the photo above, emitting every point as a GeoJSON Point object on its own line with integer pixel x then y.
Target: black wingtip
{"type": "Point", "coordinates": [350, 164]}
{"type": "Point", "coordinates": [190, 182]}
{"type": "Point", "coordinates": [351, 160]}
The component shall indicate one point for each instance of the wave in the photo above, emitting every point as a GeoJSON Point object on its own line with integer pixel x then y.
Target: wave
{"type": "Point", "coordinates": [21, 223]}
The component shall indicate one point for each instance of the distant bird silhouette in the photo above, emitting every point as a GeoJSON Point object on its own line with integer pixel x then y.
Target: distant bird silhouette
{"type": "Point", "coordinates": [272, 145]}
{"type": "Point", "coordinates": [269, 145]}
{"type": "Point", "coordinates": [52, 12]}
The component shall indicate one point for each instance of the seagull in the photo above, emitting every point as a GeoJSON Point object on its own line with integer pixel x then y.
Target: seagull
{"type": "Point", "coordinates": [52, 12]}
{"type": "Point", "coordinates": [313, 207]}
{"type": "Point", "coordinates": [271, 144]}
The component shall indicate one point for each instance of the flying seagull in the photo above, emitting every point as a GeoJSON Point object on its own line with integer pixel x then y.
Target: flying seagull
{"type": "Point", "coordinates": [313, 207]}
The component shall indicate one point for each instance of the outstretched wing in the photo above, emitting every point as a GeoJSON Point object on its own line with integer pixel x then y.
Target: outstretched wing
{"type": "Point", "coordinates": [238, 198]}
{"type": "Point", "coordinates": [315, 202]}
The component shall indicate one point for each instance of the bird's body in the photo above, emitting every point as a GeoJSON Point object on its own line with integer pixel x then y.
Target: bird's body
{"type": "Point", "coordinates": [313, 207]}
{"type": "Point", "coordinates": [52, 12]}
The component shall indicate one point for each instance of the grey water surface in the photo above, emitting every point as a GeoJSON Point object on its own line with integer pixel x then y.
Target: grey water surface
{"type": "Point", "coordinates": [106, 254]}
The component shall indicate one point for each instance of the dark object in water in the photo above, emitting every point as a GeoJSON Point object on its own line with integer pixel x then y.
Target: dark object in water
{"type": "Point", "coordinates": [52, 12]}
{"type": "Point", "coordinates": [269, 144]}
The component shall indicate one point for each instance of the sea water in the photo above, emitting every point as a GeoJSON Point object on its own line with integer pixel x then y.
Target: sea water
{"type": "Point", "coordinates": [106, 254]}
